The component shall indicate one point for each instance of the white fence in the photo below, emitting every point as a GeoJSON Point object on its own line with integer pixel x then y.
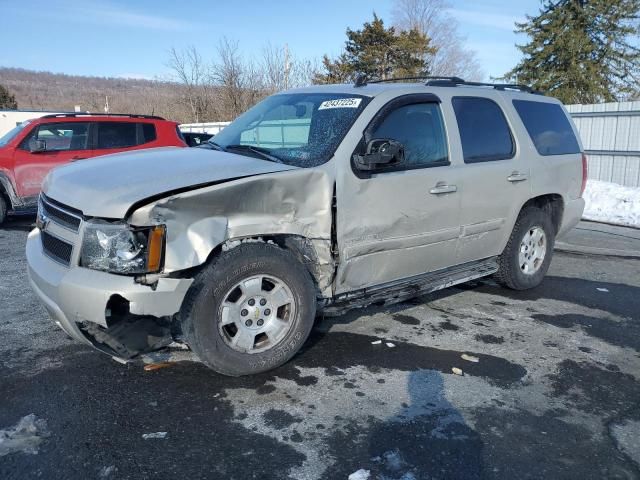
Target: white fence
{"type": "Point", "coordinates": [611, 138]}
{"type": "Point", "coordinates": [210, 127]}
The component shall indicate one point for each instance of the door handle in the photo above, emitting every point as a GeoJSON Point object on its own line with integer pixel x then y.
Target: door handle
{"type": "Point", "coordinates": [78, 158]}
{"type": "Point", "coordinates": [517, 177]}
{"type": "Point", "coordinates": [442, 187]}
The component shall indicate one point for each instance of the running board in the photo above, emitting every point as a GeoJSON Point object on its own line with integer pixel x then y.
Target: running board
{"type": "Point", "coordinates": [401, 290]}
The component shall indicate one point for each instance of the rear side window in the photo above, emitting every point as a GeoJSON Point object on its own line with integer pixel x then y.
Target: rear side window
{"type": "Point", "coordinates": [116, 135]}
{"type": "Point", "coordinates": [148, 132]}
{"type": "Point", "coordinates": [548, 127]}
{"type": "Point", "coordinates": [484, 131]}
{"type": "Point", "coordinates": [419, 127]}
{"type": "Point", "coordinates": [124, 134]}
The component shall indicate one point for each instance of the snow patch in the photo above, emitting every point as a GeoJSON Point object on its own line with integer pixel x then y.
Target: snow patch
{"type": "Point", "coordinates": [147, 436]}
{"type": "Point", "coordinates": [26, 436]}
{"type": "Point", "coordinates": [612, 203]}
{"type": "Point", "coordinates": [361, 474]}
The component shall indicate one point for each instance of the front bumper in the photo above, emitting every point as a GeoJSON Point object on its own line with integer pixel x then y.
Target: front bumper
{"type": "Point", "coordinates": [74, 295]}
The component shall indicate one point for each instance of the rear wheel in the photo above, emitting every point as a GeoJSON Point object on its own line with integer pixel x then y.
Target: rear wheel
{"type": "Point", "coordinates": [250, 310]}
{"type": "Point", "coordinates": [3, 209]}
{"type": "Point", "coordinates": [527, 256]}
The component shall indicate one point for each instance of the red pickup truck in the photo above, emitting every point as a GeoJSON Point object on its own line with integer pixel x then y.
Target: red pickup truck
{"type": "Point", "coordinates": [33, 148]}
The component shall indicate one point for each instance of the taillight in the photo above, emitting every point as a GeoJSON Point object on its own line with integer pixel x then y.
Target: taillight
{"type": "Point", "coordinates": [584, 174]}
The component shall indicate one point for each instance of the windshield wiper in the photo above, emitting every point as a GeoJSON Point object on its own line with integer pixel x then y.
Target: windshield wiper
{"type": "Point", "coordinates": [262, 152]}
{"type": "Point", "coordinates": [214, 145]}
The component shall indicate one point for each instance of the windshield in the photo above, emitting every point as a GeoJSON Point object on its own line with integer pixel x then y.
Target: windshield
{"type": "Point", "coordinates": [11, 134]}
{"type": "Point", "coordinates": [299, 129]}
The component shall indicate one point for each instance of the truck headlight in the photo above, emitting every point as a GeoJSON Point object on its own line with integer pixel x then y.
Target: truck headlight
{"type": "Point", "coordinates": [120, 248]}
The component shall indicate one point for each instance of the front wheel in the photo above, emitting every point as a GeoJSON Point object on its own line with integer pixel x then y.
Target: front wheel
{"type": "Point", "coordinates": [250, 310]}
{"type": "Point", "coordinates": [527, 256]}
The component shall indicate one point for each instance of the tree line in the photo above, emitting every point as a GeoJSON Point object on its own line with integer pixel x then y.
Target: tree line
{"type": "Point", "coordinates": [580, 51]}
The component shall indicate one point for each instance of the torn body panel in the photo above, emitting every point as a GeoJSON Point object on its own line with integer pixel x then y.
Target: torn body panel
{"type": "Point", "coordinates": [285, 204]}
{"type": "Point", "coordinates": [79, 295]}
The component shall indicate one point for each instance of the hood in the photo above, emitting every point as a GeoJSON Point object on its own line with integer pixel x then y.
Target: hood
{"type": "Point", "coordinates": [108, 186]}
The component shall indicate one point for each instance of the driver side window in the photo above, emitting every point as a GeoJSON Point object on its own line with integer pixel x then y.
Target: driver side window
{"type": "Point", "coordinates": [420, 129]}
{"type": "Point", "coordinates": [59, 136]}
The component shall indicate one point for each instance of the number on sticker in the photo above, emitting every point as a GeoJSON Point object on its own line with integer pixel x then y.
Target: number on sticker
{"type": "Point", "coordinates": [340, 103]}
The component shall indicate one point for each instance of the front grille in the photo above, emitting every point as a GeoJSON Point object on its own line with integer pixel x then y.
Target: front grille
{"type": "Point", "coordinates": [56, 249]}
{"type": "Point", "coordinates": [59, 216]}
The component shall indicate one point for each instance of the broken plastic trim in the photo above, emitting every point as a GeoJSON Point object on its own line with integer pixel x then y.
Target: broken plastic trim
{"type": "Point", "coordinates": [127, 335]}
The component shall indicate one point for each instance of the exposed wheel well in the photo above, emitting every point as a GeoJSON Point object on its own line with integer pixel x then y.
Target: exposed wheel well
{"type": "Point", "coordinates": [552, 204]}
{"type": "Point", "coordinates": [301, 247]}
{"type": "Point", "coordinates": [5, 193]}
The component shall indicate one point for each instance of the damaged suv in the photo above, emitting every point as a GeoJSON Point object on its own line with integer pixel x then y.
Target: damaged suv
{"type": "Point", "coordinates": [316, 200]}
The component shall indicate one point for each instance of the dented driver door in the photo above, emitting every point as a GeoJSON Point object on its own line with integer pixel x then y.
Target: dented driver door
{"type": "Point", "coordinates": [401, 221]}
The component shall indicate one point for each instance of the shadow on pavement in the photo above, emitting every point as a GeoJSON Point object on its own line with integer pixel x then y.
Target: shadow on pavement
{"type": "Point", "coordinates": [19, 223]}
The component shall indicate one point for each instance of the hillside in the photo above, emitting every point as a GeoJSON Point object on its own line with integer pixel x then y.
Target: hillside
{"type": "Point", "coordinates": [59, 92]}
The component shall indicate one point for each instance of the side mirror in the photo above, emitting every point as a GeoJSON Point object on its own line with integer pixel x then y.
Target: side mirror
{"type": "Point", "coordinates": [38, 146]}
{"type": "Point", "coordinates": [380, 153]}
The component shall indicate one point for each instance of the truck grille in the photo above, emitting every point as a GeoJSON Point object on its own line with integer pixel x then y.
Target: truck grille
{"type": "Point", "coordinates": [56, 249]}
{"type": "Point", "coordinates": [58, 215]}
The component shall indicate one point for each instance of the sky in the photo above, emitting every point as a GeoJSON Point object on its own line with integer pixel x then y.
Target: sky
{"type": "Point", "coordinates": [120, 38]}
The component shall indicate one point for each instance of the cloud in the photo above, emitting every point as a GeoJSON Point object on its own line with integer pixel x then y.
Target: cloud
{"type": "Point", "coordinates": [485, 19]}
{"type": "Point", "coordinates": [108, 14]}
{"type": "Point", "coordinates": [123, 16]}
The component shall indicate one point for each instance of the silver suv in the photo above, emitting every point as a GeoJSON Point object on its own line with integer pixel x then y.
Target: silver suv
{"type": "Point", "coordinates": [317, 200]}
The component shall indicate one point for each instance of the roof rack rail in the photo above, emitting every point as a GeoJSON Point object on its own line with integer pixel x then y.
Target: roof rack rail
{"type": "Point", "coordinates": [419, 77]}
{"type": "Point", "coordinates": [362, 80]}
{"type": "Point", "coordinates": [445, 81]}
{"type": "Point", "coordinates": [89, 114]}
{"type": "Point", "coordinates": [498, 86]}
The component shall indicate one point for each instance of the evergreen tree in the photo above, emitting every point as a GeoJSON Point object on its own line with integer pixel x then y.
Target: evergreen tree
{"type": "Point", "coordinates": [582, 51]}
{"type": "Point", "coordinates": [378, 52]}
{"type": "Point", "coordinates": [7, 101]}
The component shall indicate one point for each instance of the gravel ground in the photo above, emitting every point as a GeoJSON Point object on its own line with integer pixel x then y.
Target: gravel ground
{"type": "Point", "coordinates": [554, 393]}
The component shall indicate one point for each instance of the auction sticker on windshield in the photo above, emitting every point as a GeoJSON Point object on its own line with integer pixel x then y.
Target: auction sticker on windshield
{"type": "Point", "coordinates": [340, 103]}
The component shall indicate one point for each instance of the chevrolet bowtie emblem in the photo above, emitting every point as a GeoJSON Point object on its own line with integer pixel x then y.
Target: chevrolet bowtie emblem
{"type": "Point", "coordinates": [42, 221]}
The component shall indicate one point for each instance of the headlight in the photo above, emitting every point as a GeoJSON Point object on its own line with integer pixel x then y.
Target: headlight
{"type": "Point", "coordinates": [120, 248]}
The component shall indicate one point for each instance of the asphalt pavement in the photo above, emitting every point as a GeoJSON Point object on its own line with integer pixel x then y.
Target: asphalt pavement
{"type": "Point", "coordinates": [549, 388]}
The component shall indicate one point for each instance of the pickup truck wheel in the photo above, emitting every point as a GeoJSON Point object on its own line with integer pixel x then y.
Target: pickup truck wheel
{"type": "Point", "coordinates": [526, 258]}
{"type": "Point", "coordinates": [250, 310]}
{"type": "Point", "coordinates": [3, 209]}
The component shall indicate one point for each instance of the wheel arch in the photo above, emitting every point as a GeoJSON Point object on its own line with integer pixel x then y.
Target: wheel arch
{"type": "Point", "coordinates": [7, 191]}
{"type": "Point", "coordinates": [551, 203]}
{"type": "Point", "coordinates": [314, 254]}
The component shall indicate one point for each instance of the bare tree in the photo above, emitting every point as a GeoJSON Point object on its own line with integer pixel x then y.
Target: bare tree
{"type": "Point", "coordinates": [282, 70]}
{"type": "Point", "coordinates": [276, 66]}
{"type": "Point", "coordinates": [192, 72]}
{"type": "Point", "coordinates": [239, 84]}
{"type": "Point", "coordinates": [431, 17]}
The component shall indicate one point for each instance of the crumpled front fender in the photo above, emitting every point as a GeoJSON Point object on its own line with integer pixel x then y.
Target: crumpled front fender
{"type": "Point", "coordinates": [296, 202]}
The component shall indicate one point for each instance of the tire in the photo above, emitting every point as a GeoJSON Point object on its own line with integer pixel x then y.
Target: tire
{"type": "Point", "coordinates": [251, 271]}
{"type": "Point", "coordinates": [3, 209]}
{"type": "Point", "coordinates": [522, 273]}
